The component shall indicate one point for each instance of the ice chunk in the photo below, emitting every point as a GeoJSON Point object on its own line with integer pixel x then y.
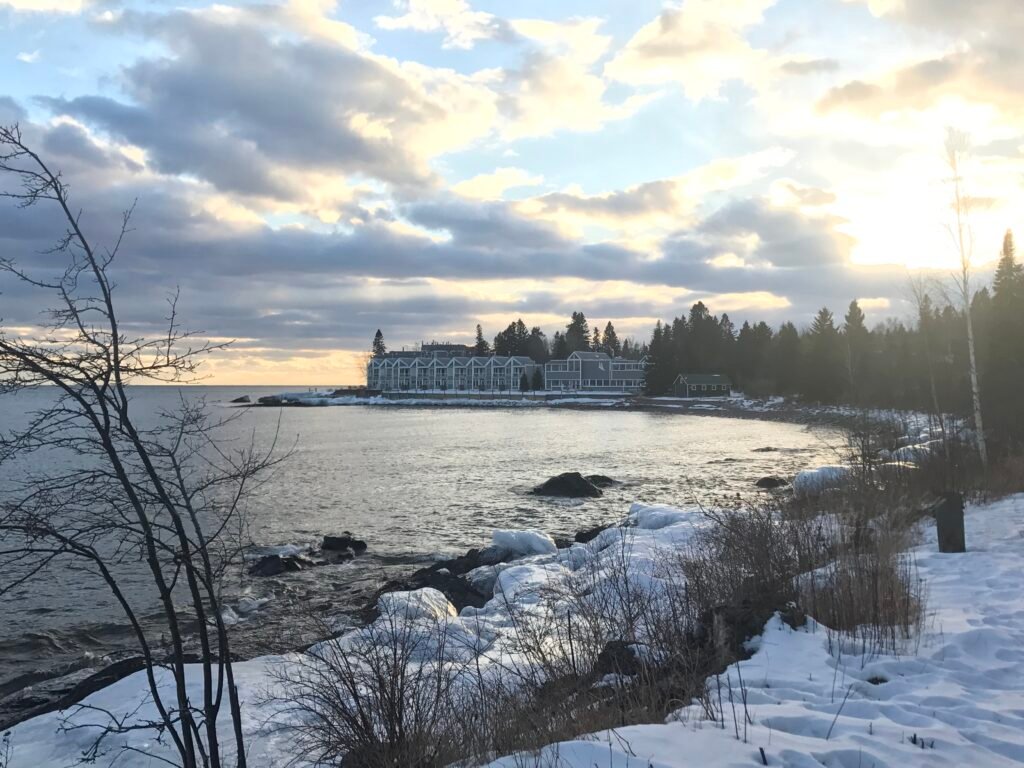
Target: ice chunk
{"type": "Point", "coordinates": [530, 542]}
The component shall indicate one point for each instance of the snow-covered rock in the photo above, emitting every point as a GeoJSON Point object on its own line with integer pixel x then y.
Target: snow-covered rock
{"type": "Point", "coordinates": [425, 603]}
{"type": "Point", "coordinates": [523, 543]}
{"type": "Point", "coordinates": [811, 482]}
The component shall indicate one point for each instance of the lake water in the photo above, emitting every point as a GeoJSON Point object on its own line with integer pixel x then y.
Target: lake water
{"type": "Point", "coordinates": [416, 483]}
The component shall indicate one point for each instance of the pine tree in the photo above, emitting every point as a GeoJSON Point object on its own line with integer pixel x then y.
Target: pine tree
{"type": "Point", "coordinates": [524, 382]}
{"type": "Point", "coordinates": [481, 348]}
{"type": "Point", "coordinates": [537, 346]}
{"type": "Point", "coordinates": [824, 371]}
{"type": "Point", "coordinates": [577, 333]}
{"type": "Point", "coordinates": [595, 341]}
{"type": "Point", "coordinates": [538, 379]}
{"type": "Point", "coordinates": [610, 340]}
{"type": "Point", "coordinates": [560, 346]}
{"type": "Point", "coordinates": [379, 350]}
{"type": "Point", "coordinates": [1003, 362]}
{"type": "Point", "coordinates": [787, 360]}
{"type": "Point", "coordinates": [857, 338]}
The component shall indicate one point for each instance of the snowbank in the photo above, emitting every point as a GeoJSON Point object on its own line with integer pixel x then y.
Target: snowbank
{"type": "Point", "coordinates": [959, 701]}
{"type": "Point", "coordinates": [523, 543]}
{"type": "Point", "coordinates": [811, 482]}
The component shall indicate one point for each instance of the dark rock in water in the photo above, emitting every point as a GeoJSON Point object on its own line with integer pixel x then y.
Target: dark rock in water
{"type": "Point", "coordinates": [275, 565]}
{"type": "Point", "coordinates": [242, 399]}
{"type": "Point", "coordinates": [617, 658]}
{"type": "Point", "coordinates": [458, 590]}
{"type": "Point", "coordinates": [589, 534]}
{"type": "Point", "coordinates": [343, 542]}
{"type": "Point", "coordinates": [569, 485]}
{"type": "Point", "coordinates": [561, 542]}
{"type": "Point", "coordinates": [271, 400]}
{"type": "Point", "coordinates": [771, 481]}
{"type": "Point", "coordinates": [766, 449]}
{"type": "Point", "coordinates": [601, 481]}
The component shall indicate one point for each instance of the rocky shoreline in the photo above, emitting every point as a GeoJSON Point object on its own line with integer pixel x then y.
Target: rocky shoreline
{"type": "Point", "coordinates": [280, 629]}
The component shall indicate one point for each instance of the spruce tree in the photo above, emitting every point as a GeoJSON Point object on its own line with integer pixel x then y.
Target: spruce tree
{"type": "Point", "coordinates": [577, 333]}
{"type": "Point", "coordinates": [538, 380]}
{"type": "Point", "coordinates": [1003, 362]}
{"type": "Point", "coordinates": [379, 350]}
{"type": "Point", "coordinates": [610, 340]}
{"type": "Point", "coordinates": [481, 348]}
{"type": "Point", "coordinates": [857, 339]}
{"type": "Point", "coordinates": [824, 372]}
{"type": "Point", "coordinates": [595, 341]}
{"type": "Point", "coordinates": [524, 382]}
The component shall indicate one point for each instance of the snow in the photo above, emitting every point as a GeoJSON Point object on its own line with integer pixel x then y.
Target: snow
{"type": "Point", "coordinates": [958, 690]}
{"type": "Point", "coordinates": [810, 482]}
{"type": "Point", "coordinates": [955, 700]}
{"type": "Point", "coordinates": [522, 543]}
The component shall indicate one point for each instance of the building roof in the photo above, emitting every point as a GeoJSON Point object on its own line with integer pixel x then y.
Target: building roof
{"type": "Point", "coordinates": [697, 379]}
{"type": "Point", "coordinates": [590, 355]}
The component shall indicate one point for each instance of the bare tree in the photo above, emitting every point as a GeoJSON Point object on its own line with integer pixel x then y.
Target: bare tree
{"type": "Point", "coordinates": [957, 145]}
{"type": "Point", "coordinates": [160, 505]}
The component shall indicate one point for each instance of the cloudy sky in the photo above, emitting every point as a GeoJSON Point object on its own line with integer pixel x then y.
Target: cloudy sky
{"type": "Point", "coordinates": [310, 171]}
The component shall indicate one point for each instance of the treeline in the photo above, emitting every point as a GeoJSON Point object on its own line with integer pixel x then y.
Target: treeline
{"type": "Point", "coordinates": [921, 365]}
{"type": "Point", "coordinates": [578, 336]}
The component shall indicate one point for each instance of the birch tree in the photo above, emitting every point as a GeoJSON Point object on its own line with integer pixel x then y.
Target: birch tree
{"type": "Point", "coordinates": [957, 146]}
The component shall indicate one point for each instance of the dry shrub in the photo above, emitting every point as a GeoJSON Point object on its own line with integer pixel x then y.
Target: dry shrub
{"type": "Point", "coordinates": [870, 596]}
{"type": "Point", "coordinates": [621, 639]}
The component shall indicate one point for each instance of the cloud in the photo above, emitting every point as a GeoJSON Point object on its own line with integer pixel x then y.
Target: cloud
{"type": "Point", "coordinates": [698, 44]}
{"type": "Point", "coordinates": [491, 186]}
{"type": "Point", "coordinates": [44, 6]}
{"type": "Point", "coordinates": [462, 26]}
{"type": "Point", "coordinates": [809, 66]}
{"type": "Point", "coordinates": [557, 86]}
{"type": "Point", "coordinates": [28, 57]}
{"type": "Point", "coordinates": [661, 203]}
{"type": "Point", "coordinates": [347, 112]}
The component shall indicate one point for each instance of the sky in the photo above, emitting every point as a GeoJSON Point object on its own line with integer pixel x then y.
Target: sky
{"type": "Point", "coordinates": [310, 171]}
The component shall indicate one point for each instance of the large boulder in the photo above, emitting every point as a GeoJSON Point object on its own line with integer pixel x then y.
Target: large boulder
{"type": "Point", "coordinates": [342, 543]}
{"type": "Point", "coordinates": [275, 565]}
{"type": "Point", "coordinates": [770, 482]}
{"type": "Point", "coordinates": [587, 535]}
{"type": "Point", "coordinates": [242, 399]}
{"type": "Point", "coordinates": [601, 481]}
{"type": "Point", "coordinates": [568, 485]}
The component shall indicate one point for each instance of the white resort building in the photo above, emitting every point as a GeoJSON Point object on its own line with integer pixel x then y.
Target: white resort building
{"type": "Point", "coordinates": [450, 368]}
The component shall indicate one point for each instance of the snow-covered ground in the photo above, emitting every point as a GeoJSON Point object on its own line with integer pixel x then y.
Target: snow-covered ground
{"type": "Point", "coordinates": [955, 699]}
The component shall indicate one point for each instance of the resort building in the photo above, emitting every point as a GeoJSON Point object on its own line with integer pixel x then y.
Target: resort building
{"type": "Point", "coordinates": [594, 372]}
{"type": "Point", "coordinates": [438, 371]}
{"type": "Point", "coordinates": [702, 385]}
{"type": "Point", "coordinates": [435, 368]}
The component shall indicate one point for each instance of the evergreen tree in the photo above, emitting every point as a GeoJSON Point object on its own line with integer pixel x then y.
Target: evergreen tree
{"type": "Point", "coordinates": [787, 360]}
{"type": "Point", "coordinates": [1003, 361]}
{"type": "Point", "coordinates": [379, 350]}
{"type": "Point", "coordinates": [524, 383]}
{"type": "Point", "coordinates": [595, 341]}
{"type": "Point", "coordinates": [537, 346]}
{"type": "Point", "coordinates": [538, 380]}
{"type": "Point", "coordinates": [577, 333]}
{"type": "Point", "coordinates": [858, 340]}
{"type": "Point", "coordinates": [560, 346]}
{"type": "Point", "coordinates": [824, 369]}
{"type": "Point", "coordinates": [610, 340]}
{"type": "Point", "coordinates": [481, 348]}
{"type": "Point", "coordinates": [660, 372]}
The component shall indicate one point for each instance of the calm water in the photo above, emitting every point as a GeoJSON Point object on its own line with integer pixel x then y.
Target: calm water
{"type": "Point", "coordinates": [417, 482]}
